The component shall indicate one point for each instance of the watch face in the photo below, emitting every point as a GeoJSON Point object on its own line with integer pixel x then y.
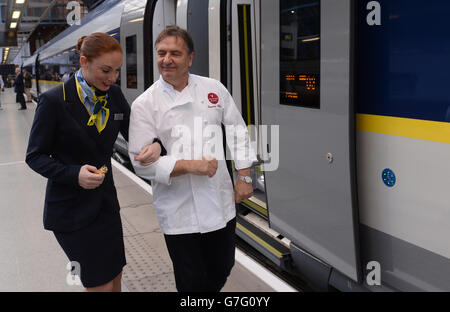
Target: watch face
{"type": "Point", "coordinates": [246, 179]}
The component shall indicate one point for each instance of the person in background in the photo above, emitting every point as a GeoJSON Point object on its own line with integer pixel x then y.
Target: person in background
{"type": "Point", "coordinates": [19, 89]}
{"type": "Point", "coordinates": [9, 81]}
{"type": "Point", "coordinates": [2, 87]}
{"type": "Point", "coordinates": [27, 83]}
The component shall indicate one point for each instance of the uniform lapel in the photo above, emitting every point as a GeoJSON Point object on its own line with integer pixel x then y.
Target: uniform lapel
{"type": "Point", "coordinates": [79, 113]}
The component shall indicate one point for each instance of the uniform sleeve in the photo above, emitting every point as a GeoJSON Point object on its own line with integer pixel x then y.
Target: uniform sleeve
{"type": "Point", "coordinates": [142, 133]}
{"type": "Point", "coordinates": [40, 146]}
{"type": "Point", "coordinates": [236, 132]}
{"type": "Point", "coordinates": [125, 124]}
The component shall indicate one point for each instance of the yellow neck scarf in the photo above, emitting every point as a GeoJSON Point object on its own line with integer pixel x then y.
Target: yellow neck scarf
{"type": "Point", "coordinates": [99, 106]}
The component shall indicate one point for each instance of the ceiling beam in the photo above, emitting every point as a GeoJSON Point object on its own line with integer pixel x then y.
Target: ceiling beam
{"type": "Point", "coordinates": [22, 36]}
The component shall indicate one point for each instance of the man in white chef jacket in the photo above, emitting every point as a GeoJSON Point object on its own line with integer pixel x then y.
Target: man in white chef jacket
{"type": "Point", "coordinates": [192, 189]}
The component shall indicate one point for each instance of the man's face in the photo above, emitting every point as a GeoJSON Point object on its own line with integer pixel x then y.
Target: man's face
{"type": "Point", "coordinates": [173, 58]}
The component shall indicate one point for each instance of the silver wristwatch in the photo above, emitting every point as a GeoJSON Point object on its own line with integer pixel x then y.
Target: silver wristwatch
{"type": "Point", "coordinates": [246, 179]}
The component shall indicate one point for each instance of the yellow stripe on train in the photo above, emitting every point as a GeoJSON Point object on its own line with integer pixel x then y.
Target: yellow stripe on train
{"type": "Point", "coordinates": [405, 127]}
{"type": "Point", "coordinates": [48, 81]}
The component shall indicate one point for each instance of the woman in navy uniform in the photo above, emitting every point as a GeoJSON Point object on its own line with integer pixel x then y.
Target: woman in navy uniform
{"type": "Point", "coordinates": [72, 137]}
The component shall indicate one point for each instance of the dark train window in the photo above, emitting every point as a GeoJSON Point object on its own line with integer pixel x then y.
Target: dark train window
{"type": "Point", "coordinates": [131, 50]}
{"type": "Point", "coordinates": [246, 61]}
{"type": "Point", "coordinates": [300, 53]}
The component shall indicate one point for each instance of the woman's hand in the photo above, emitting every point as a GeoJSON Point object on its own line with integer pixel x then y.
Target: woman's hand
{"type": "Point", "coordinates": [149, 154]}
{"type": "Point", "coordinates": [90, 178]}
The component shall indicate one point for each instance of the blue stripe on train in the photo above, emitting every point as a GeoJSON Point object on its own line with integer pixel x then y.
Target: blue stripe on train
{"type": "Point", "coordinates": [403, 65]}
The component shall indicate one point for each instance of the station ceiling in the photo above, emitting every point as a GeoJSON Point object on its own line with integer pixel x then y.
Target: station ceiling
{"type": "Point", "coordinates": [21, 18]}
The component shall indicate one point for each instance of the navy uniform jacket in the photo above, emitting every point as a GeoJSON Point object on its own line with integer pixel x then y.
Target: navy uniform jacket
{"type": "Point", "coordinates": [61, 143]}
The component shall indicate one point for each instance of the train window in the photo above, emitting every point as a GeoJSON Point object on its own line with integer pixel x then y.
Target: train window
{"type": "Point", "coordinates": [300, 53]}
{"type": "Point", "coordinates": [131, 50]}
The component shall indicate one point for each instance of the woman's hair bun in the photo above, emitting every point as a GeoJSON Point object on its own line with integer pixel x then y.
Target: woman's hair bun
{"type": "Point", "coordinates": [96, 44]}
{"type": "Point", "coordinates": [80, 42]}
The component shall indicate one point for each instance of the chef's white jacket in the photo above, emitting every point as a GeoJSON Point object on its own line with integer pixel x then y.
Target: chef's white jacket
{"type": "Point", "coordinates": [189, 203]}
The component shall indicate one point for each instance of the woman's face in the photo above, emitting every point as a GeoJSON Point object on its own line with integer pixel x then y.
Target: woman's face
{"type": "Point", "coordinates": [102, 71]}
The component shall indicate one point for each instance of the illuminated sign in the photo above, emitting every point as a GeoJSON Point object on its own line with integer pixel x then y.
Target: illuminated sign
{"type": "Point", "coordinates": [300, 90]}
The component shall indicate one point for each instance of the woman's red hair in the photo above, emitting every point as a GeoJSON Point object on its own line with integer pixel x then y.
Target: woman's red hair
{"type": "Point", "coordinates": [97, 44]}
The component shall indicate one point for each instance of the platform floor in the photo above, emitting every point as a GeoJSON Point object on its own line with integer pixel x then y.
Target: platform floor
{"type": "Point", "coordinates": [30, 257]}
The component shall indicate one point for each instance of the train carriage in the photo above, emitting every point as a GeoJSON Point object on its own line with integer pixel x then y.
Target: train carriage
{"type": "Point", "coordinates": [350, 108]}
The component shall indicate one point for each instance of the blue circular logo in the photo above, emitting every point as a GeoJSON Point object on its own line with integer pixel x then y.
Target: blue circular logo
{"type": "Point", "coordinates": [388, 177]}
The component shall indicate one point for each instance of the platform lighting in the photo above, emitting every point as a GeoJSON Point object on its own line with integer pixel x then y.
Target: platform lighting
{"type": "Point", "coordinates": [16, 14]}
{"type": "Point", "coordinates": [20, 1]}
{"type": "Point", "coordinates": [13, 25]}
{"type": "Point", "coordinates": [136, 20]}
{"type": "Point", "coordinates": [311, 39]}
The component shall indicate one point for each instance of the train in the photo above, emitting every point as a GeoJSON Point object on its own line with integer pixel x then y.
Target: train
{"type": "Point", "coordinates": [348, 101]}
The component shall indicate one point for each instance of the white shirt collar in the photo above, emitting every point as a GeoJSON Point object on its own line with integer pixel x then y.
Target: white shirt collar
{"type": "Point", "coordinates": [168, 87]}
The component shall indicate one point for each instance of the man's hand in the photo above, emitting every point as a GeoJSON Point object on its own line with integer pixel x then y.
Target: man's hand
{"type": "Point", "coordinates": [242, 190]}
{"type": "Point", "coordinates": [149, 154]}
{"type": "Point", "coordinates": [198, 167]}
{"type": "Point", "coordinates": [90, 178]}
{"type": "Point", "coordinates": [204, 167]}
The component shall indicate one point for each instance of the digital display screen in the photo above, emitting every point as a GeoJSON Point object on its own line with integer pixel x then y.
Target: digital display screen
{"type": "Point", "coordinates": [300, 53]}
{"type": "Point", "coordinates": [299, 89]}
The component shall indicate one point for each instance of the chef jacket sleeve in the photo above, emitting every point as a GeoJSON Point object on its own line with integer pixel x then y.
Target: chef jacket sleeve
{"type": "Point", "coordinates": [236, 132]}
{"type": "Point", "coordinates": [142, 132]}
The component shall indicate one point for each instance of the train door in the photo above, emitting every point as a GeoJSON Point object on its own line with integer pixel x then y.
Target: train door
{"type": "Point", "coordinates": [245, 84]}
{"type": "Point", "coordinates": [158, 14]}
{"type": "Point", "coordinates": [205, 20]}
{"type": "Point", "coordinates": [193, 15]}
{"type": "Point", "coordinates": [306, 90]}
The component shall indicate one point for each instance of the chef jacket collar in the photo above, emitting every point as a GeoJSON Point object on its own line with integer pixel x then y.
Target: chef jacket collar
{"type": "Point", "coordinates": [180, 98]}
{"type": "Point", "coordinates": [168, 87]}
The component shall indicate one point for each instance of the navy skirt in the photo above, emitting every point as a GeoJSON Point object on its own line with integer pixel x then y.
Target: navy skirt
{"type": "Point", "coordinates": [98, 248]}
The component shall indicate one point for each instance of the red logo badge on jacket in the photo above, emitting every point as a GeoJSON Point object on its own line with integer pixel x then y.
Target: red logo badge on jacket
{"type": "Point", "coordinates": [213, 98]}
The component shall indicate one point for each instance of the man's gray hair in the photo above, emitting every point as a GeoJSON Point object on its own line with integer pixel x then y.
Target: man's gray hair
{"type": "Point", "coordinates": [175, 31]}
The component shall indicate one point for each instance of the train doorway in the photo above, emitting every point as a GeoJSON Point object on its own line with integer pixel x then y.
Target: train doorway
{"type": "Point", "coordinates": [245, 84]}
{"type": "Point", "coordinates": [158, 14]}
{"type": "Point", "coordinates": [306, 81]}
